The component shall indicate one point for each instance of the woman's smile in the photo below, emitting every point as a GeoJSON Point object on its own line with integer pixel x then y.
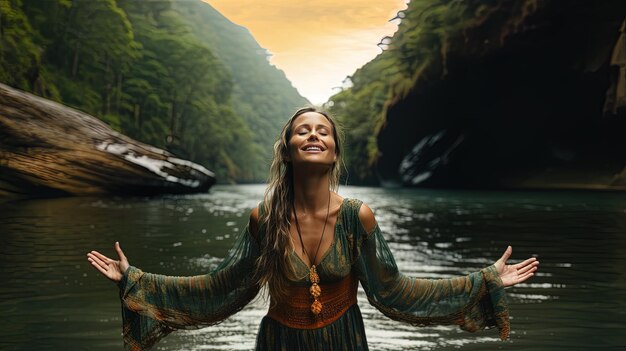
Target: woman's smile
{"type": "Point", "coordinates": [315, 149]}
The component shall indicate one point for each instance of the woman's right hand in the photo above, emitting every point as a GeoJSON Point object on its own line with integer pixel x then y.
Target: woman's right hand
{"type": "Point", "coordinates": [112, 269]}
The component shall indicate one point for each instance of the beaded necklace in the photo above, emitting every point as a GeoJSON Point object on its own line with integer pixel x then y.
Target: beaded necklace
{"type": "Point", "coordinates": [315, 290]}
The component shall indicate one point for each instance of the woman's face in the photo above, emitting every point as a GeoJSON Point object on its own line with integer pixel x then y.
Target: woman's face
{"type": "Point", "coordinates": [312, 140]}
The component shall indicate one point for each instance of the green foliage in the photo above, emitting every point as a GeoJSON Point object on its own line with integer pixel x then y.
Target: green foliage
{"type": "Point", "coordinates": [359, 110]}
{"type": "Point", "coordinates": [153, 70]}
{"type": "Point", "coordinates": [19, 56]}
{"type": "Point", "coordinates": [261, 94]}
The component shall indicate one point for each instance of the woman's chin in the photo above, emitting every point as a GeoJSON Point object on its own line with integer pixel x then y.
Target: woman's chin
{"type": "Point", "coordinates": [312, 165]}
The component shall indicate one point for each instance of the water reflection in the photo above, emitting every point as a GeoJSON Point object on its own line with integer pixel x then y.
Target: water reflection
{"type": "Point", "coordinates": [52, 299]}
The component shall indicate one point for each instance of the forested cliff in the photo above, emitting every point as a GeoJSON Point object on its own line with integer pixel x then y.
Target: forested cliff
{"type": "Point", "coordinates": [176, 75]}
{"type": "Point", "coordinates": [507, 93]}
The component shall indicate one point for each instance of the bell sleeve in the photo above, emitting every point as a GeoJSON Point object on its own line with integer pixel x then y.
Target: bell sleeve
{"type": "Point", "coordinates": [473, 302]}
{"type": "Point", "coordinates": [154, 305]}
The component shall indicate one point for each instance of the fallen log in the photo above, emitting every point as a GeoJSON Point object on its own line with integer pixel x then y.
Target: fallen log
{"type": "Point", "coordinates": [48, 149]}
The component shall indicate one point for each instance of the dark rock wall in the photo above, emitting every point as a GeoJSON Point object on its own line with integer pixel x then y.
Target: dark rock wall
{"type": "Point", "coordinates": [529, 112]}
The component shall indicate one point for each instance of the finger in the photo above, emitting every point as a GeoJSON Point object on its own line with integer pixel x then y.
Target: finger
{"type": "Point", "coordinates": [524, 270]}
{"type": "Point", "coordinates": [529, 272]}
{"type": "Point", "coordinates": [98, 261]}
{"type": "Point", "coordinates": [527, 268]}
{"type": "Point", "coordinates": [524, 263]}
{"type": "Point", "coordinates": [120, 253]}
{"type": "Point", "coordinates": [507, 253]}
{"type": "Point", "coordinates": [524, 277]}
{"type": "Point", "coordinates": [91, 257]}
{"type": "Point", "coordinates": [98, 267]}
{"type": "Point", "coordinates": [101, 256]}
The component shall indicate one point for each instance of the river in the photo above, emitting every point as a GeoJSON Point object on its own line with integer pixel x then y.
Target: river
{"type": "Point", "coordinates": [52, 299]}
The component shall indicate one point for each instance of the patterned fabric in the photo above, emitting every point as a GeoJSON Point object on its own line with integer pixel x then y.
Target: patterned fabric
{"type": "Point", "coordinates": [154, 305]}
{"type": "Point", "coordinates": [336, 299]}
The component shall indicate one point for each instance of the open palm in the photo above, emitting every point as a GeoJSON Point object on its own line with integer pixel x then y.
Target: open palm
{"type": "Point", "coordinates": [112, 269]}
{"type": "Point", "coordinates": [515, 273]}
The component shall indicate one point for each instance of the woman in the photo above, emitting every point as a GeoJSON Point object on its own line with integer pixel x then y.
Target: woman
{"type": "Point", "coordinates": [310, 248]}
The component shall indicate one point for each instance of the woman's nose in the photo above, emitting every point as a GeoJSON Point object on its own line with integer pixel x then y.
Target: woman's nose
{"type": "Point", "coordinates": [313, 135]}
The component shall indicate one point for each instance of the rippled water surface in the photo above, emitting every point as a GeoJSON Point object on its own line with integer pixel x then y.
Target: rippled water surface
{"type": "Point", "coordinates": [51, 299]}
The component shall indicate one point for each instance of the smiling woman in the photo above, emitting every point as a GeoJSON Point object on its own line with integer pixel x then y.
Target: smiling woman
{"type": "Point", "coordinates": [313, 140]}
{"type": "Point", "coordinates": [311, 248]}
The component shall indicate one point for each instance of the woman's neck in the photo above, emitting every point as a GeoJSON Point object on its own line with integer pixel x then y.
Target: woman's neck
{"type": "Point", "coordinates": [311, 190]}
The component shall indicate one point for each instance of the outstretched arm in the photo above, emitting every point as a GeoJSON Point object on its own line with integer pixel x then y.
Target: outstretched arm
{"type": "Point", "coordinates": [473, 302]}
{"type": "Point", "coordinates": [509, 274]}
{"type": "Point", "coordinates": [154, 305]}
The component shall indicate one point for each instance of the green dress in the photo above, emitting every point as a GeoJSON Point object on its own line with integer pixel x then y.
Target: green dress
{"type": "Point", "coordinates": [154, 305]}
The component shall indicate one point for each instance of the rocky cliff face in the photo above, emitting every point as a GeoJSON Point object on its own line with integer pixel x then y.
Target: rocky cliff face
{"type": "Point", "coordinates": [528, 94]}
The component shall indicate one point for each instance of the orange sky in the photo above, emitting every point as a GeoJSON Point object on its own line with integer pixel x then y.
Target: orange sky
{"type": "Point", "coordinates": [316, 43]}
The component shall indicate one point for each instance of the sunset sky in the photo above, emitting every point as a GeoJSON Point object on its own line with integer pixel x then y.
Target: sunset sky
{"type": "Point", "coordinates": [316, 43]}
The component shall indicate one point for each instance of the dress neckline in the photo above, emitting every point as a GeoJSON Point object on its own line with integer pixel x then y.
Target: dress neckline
{"type": "Point", "coordinates": [332, 244]}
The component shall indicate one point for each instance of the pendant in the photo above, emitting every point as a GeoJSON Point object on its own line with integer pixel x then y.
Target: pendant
{"type": "Point", "coordinates": [315, 290]}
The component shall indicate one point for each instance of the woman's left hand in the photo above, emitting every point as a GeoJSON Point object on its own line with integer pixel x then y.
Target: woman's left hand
{"type": "Point", "coordinates": [515, 273]}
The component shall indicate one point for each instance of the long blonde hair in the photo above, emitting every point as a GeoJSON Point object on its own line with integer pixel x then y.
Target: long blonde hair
{"type": "Point", "coordinates": [273, 266]}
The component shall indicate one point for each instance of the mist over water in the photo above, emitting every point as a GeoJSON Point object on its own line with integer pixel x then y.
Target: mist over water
{"type": "Point", "coordinates": [51, 299]}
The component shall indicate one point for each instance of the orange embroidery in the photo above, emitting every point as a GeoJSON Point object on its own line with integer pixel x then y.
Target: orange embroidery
{"type": "Point", "coordinates": [296, 312]}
